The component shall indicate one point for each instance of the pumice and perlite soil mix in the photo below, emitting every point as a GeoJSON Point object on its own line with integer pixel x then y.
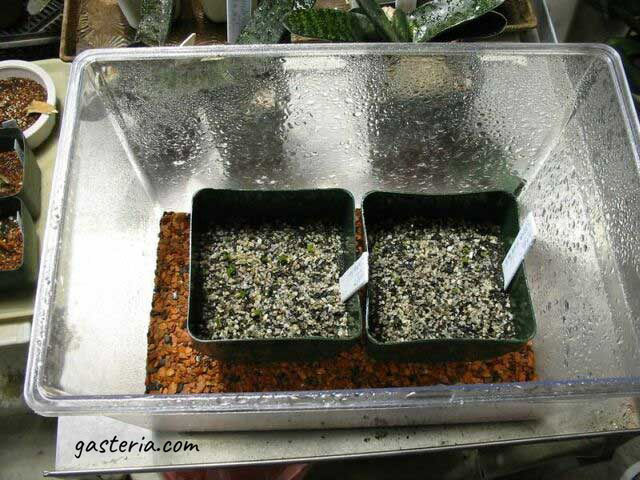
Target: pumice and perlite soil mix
{"type": "Point", "coordinates": [272, 280]}
{"type": "Point", "coordinates": [437, 279]}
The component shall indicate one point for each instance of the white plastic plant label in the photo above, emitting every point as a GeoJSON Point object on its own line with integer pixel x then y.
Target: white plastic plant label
{"type": "Point", "coordinates": [356, 277]}
{"type": "Point", "coordinates": [521, 245]}
{"type": "Point", "coordinates": [238, 15]}
{"type": "Point", "coordinates": [407, 5]}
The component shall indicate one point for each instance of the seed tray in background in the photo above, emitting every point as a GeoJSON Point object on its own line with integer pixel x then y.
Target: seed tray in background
{"type": "Point", "coordinates": [494, 207]}
{"type": "Point", "coordinates": [33, 37]}
{"type": "Point", "coordinates": [91, 24]}
{"type": "Point", "coordinates": [25, 275]}
{"type": "Point", "coordinates": [335, 206]}
{"type": "Point", "coordinates": [12, 139]}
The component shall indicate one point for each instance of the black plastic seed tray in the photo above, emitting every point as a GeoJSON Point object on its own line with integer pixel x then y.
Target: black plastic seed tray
{"type": "Point", "coordinates": [12, 139]}
{"type": "Point", "coordinates": [20, 30]}
{"type": "Point", "coordinates": [495, 207]}
{"type": "Point", "coordinates": [211, 206]}
{"type": "Point", "coordinates": [26, 274]}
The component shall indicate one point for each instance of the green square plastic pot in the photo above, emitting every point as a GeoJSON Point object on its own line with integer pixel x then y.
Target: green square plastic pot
{"type": "Point", "coordinates": [500, 208]}
{"type": "Point", "coordinates": [211, 206]}
{"type": "Point", "coordinates": [12, 139]}
{"type": "Point", "coordinates": [26, 274]}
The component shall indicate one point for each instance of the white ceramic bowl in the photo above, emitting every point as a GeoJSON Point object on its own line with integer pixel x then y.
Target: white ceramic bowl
{"type": "Point", "coordinates": [41, 129]}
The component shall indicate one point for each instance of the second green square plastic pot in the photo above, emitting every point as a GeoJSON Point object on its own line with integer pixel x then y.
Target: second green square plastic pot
{"type": "Point", "coordinates": [499, 208]}
{"type": "Point", "coordinates": [12, 140]}
{"type": "Point", "coordinates": [296, 207]}
{"type": "Point", "coordinates": [25, 275]}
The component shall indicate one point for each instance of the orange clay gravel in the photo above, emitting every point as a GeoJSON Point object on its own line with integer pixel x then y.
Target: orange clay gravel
{"type": "Point", "coordinates": [10, 173]}
{"type": "Point", "coordinates": [175, 366]}
{"type": "Point", "coordinates": [15, 96]}
{"type": "Point", "coordinates": [10, 244]}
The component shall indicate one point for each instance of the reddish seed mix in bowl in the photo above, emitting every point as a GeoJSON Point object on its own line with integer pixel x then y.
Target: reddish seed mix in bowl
{"type": "Point", "coordinates": [15, 96]}
{"type": "Point", "coordinates": [10, 244]}
{"type": "Point", "coordinates": [10, 174]}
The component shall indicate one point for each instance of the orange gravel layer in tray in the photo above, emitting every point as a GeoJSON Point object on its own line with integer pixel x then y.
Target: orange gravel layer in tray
{"type": "Point", "coordinates": [10, 173]}
{"type": "Point", "coordinates": [11, 244]}
{"type": "Point", "coordinates": [175, 366]}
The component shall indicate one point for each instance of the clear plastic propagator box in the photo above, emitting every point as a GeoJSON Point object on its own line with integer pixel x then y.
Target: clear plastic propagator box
{"type": "Point", "coordinates": [145, 129]}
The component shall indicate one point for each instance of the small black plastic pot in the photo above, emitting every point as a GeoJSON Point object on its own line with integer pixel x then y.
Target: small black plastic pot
{"type": "Point", "coordinates": [500, 208]}
{"type": "Point", "coordinates": [12, 139]}
{"type": "Point", "coordinates": [26, 274]}
{"type": "Point", "coordinates": [295, 206]}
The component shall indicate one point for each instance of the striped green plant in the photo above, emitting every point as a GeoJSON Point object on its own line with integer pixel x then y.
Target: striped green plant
{"type": "Point", "coordinates": [266, 24]}
{"type": "Point", "coordinates": [369, 22]}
